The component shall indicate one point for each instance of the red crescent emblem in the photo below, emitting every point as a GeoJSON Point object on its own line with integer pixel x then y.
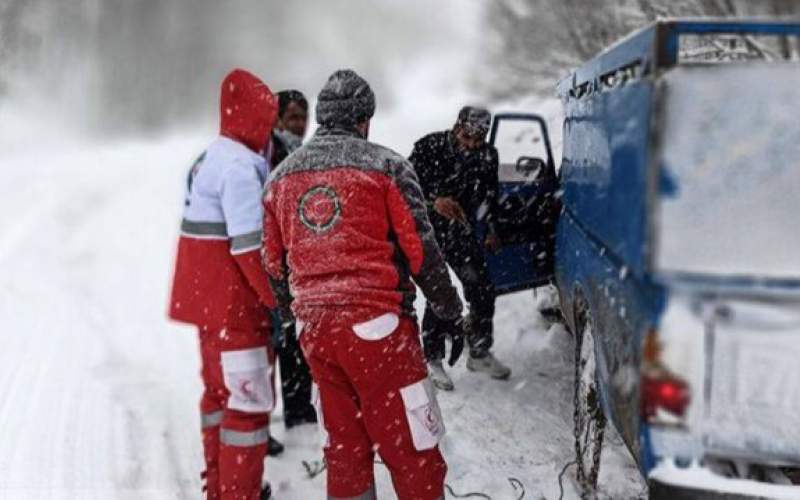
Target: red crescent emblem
{"type": "Point", "coordinates": [246, 391]}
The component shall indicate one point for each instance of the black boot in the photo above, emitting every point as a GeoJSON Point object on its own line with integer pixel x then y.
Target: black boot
{"type": "Point", "coordinates": [274, 447]}
{"type": "Point", "coordinates": [266, 492]}
{"type": "Point", "coordinates": [307, 416]}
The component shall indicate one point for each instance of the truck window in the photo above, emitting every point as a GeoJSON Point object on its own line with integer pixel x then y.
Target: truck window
{"type": "Point", "coordinates": [515, 140]}
{"type": "Point", "coordinates": [727, 47]}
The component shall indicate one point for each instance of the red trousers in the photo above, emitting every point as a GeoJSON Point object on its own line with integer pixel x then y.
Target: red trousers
{"type": "Point", "coordinates": [238, 396]}
{"type": "Point", "coordinates": [374, 395]}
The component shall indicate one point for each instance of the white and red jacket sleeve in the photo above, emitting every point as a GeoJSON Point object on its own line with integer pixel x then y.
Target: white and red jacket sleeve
{"type": "Point", "coordinates": [241, 193]}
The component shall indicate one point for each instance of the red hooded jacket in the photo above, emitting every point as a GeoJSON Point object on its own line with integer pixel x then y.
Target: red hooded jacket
{"type": "Point", "coordinates": [248, 110]}
{"type": "Point", "coordinates": [219, 281]}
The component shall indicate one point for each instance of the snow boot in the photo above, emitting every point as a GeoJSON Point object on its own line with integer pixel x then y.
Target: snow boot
{"type": "Point", "coordinates": [308, 416]}
{"type": "Point", "coordinates": [266, 492]}
{"type": "Point", "coordinates": [439, 377]}
{"type": "Point", "coordinates": [490, 365]}
{"type": "Point", "coordinates": [274, 447]}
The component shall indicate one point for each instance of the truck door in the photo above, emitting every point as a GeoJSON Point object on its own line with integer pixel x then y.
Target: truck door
{"type": "Point", "coordinates": [527, 204]}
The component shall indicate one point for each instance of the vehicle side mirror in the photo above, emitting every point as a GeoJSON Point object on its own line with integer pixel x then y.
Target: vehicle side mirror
{"type": "Point", "coordinates": [531, 167]}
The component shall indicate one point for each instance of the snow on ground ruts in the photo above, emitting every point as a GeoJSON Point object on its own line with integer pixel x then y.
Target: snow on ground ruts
{"type": "Point", "coordinates": [98, 392]}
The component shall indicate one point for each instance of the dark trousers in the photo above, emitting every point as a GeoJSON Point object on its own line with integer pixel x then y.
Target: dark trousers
{"type": "Point", "coordinates": [464, 255]}
{"type": "Point", "coordinates": [295, 377]}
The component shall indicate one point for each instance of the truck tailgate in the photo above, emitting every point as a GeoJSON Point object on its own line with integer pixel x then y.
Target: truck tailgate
{"type": "Point", "coordinates": [752, 405]}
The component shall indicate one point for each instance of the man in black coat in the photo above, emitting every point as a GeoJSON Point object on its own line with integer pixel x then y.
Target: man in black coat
{"type": "Point", "coordinates": [291, 126]}
{"type": "Point", "coordinates": [458, 171]}
{"type": "Point", "coordinates": [295, 375]}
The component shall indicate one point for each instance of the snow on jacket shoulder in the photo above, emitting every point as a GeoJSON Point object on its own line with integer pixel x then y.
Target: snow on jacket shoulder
{"type": "Point", "coordinates": [345, 222]}
{"type": "Point", "coordinates": [219, 280]}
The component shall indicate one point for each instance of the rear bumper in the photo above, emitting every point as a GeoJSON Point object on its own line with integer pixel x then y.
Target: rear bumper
{"type": "Point", "coordinates": [668, 482]}
{"type": "Point", "coordinates": [663, 491]}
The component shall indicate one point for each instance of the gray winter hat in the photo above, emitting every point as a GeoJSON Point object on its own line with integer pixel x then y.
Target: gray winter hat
{"type": "Point", "coordinates": [475, 121]}
{"type": "Point", "coordinates": [346, 99]}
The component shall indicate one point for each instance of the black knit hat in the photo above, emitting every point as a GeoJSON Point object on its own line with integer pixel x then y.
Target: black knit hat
{"type": "Point", "coordinates": [346, 99]}
{"type": "Point", "coordinates": [475, 121]}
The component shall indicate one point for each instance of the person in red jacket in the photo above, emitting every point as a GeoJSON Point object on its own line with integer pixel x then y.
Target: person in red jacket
{"type": "Point", "coordinates": [346, 229]}
{"type": "Point", "coordinates": [221, 287]}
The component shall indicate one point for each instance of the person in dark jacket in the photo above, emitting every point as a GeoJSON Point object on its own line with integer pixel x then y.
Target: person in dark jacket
{"type": "Point", "coordinates": [295, 375]}
{"type": "Point", "coordinates": [458, 171]}
{"type": "Point", "coordinates": [291, 125]}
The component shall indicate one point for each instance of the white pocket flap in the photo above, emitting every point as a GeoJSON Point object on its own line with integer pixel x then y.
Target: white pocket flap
{"type": "Point", "coordinates": [246, 375]}
{"type": "Point", "coordinates": [377, 328]}
{"type": "Point", "coordinates": [423, 414]}
{"type": "Point", "coordinates": [414, 396]}
{"type": "Point", "coordinates": [245, 360]}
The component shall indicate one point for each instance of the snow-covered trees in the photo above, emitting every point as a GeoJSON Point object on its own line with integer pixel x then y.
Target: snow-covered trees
{"type": "Point", "coordinates": [536, 42]}
{"type": "Point", "coordinates": [120, 66]}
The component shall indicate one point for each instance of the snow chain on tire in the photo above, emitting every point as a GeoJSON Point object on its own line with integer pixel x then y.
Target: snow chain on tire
{"type": "Point", "coordinates": [587, 484]}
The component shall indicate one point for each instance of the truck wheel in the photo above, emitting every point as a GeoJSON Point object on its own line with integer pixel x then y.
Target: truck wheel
{"type": "Point", "coordinates": [590, 421]}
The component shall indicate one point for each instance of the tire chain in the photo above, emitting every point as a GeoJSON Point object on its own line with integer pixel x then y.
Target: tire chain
{"type": "Point", "coordinates": [588, 485]}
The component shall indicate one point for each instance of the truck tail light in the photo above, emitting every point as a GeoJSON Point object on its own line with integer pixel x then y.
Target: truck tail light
{"type": "Point", "coordinates": [664, 396]}
{"type": "Point", "coordinates": [671, 395]}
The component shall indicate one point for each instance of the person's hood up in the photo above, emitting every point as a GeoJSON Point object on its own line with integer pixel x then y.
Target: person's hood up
{"type": "Point", "coordinates": [248, 110]}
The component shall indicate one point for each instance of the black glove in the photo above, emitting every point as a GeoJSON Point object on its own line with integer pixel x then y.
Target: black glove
{"type": "Point", "coordinates": [457, 342]}
{"type": "Point", "coordinates": [456, 349]}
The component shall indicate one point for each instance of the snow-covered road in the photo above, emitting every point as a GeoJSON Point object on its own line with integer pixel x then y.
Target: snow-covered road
{"type": "Point", "coordinates": [98, 392]}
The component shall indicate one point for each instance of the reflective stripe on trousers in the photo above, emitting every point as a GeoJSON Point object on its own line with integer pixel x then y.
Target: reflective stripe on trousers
{"type": "Point", "coordinates": [212, 419]}
{"type": "Point", "coordinates": [367, 495]}
{"type": "Point", "coordinates": [244, 438]}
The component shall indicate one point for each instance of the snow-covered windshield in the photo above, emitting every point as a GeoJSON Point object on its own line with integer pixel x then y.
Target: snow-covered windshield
{"type": "Point", "coordinates": [730, 176]}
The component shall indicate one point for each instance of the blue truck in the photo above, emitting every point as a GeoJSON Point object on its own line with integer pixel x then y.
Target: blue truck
{"type": "Point", "coordinates": [672, 233]}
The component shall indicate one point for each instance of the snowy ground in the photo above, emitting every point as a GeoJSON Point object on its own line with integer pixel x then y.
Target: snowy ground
{"type": "Point", "coordinates": [98, 392]}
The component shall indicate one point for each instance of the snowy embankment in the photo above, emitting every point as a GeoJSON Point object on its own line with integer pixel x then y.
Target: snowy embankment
{"type": "Point", "coordinates": [98, 392]}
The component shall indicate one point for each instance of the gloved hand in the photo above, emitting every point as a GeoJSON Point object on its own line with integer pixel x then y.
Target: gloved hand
{"type": "Point", "coordinates": [456, 343]}
{"type": "Point", "coordinates": [456, 348]}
